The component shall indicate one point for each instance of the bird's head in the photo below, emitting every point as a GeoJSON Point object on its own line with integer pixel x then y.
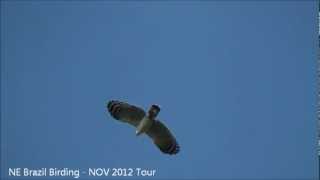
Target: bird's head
{"type": "Point", "coordinates": [153, 111]}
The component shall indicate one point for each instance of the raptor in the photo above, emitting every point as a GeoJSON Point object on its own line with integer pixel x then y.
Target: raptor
{"type": "Point", "coordinates": [145, 123]}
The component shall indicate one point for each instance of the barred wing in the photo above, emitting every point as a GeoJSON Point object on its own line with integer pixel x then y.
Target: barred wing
{"type": "Point", "coordinates": [163, 138]}
{"type": "Point", "coordinates": [125, 112]}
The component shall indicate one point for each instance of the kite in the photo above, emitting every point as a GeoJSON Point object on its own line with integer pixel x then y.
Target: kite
{"type": "Point", "coordinates": [145, 123]}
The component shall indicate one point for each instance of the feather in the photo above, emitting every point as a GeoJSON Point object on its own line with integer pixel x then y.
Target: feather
{"type": "Point", "coordinates": [125, 112]}
{"type": "Point", "coordinates": [157, 131]}
{"type": "Point", "coordinates": [163, 138]}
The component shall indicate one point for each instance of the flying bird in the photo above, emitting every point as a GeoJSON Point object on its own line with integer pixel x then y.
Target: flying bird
{"type": "Point", "coordinates": [145, 123]}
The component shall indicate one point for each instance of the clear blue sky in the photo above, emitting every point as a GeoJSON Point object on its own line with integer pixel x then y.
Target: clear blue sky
{"type": "Point", "coordinates": [235, 80]}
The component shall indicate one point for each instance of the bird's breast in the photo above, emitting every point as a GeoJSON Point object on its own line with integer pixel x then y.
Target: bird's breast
{"type": "Point", "coordinates": [144, 125]}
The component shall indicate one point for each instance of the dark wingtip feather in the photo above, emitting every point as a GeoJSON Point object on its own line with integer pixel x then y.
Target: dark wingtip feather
{"type": "Point", "coordinates": [172, 149]}
{"type": "Point", "coordinates": [109, 104]}
{"type": "Point", "coordinates": [113, 108]}
{"type": "Point", "coordinates": [175, 150]}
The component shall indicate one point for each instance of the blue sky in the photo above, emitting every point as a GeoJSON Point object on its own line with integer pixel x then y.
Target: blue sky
{"type": "Point", "coordinates": [235, 80]}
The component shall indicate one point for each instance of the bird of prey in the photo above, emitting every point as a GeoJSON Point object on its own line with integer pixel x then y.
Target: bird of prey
{"type": "Point", "coordinates": [145, 123]}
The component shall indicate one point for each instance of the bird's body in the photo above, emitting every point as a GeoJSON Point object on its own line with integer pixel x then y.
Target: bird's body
{"type": "Point", "coordinates": [145, 123]}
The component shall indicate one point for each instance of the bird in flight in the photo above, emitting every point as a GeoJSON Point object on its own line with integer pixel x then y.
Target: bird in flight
{"type": "Point", "coordinates": [145, 123]}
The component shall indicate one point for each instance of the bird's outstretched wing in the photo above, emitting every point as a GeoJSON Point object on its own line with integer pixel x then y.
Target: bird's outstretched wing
{"type": "Point", "coordinates": [163, 138]}
{"type": "Point", "coordinates": [125, 112]}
